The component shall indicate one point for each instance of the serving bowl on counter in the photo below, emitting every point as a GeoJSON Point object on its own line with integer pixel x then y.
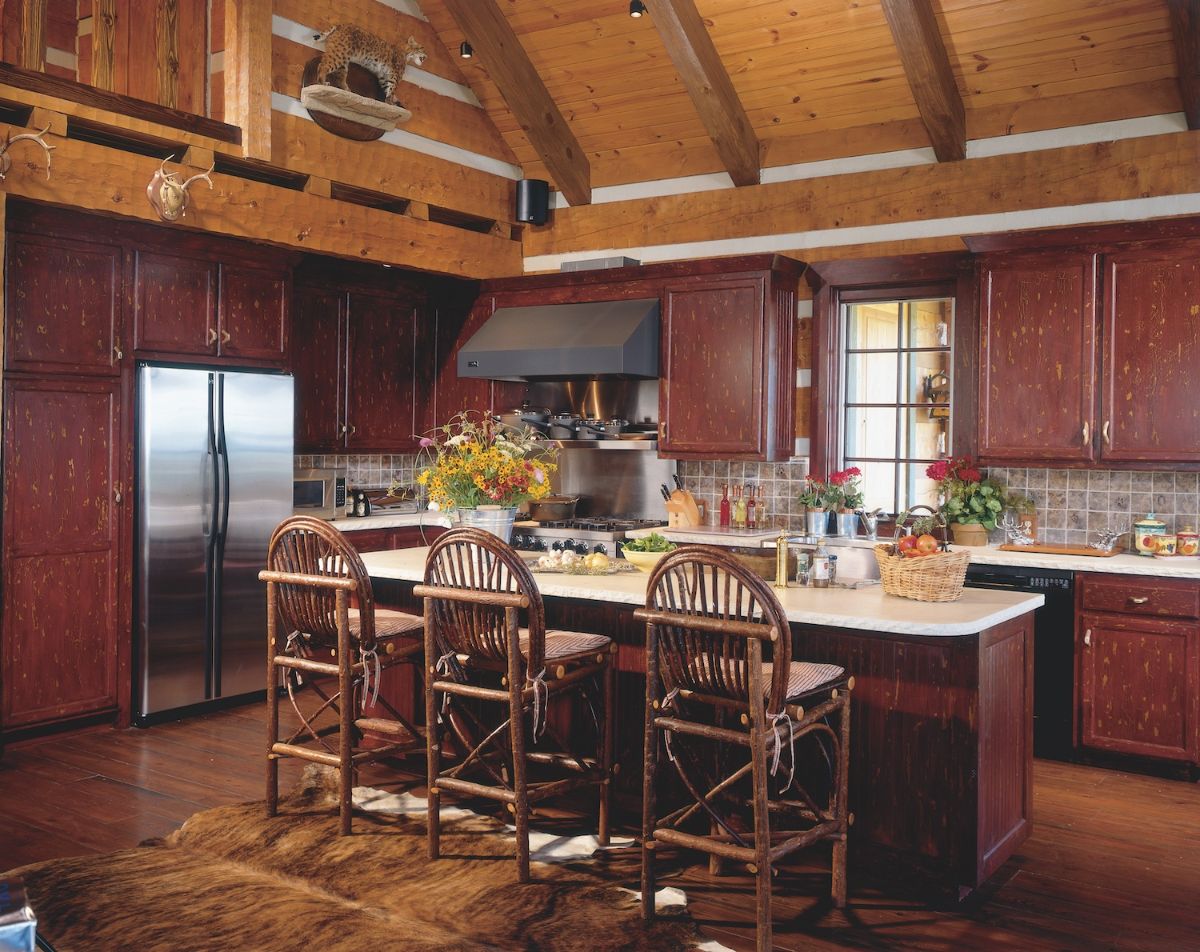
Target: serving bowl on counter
{"type": "Point", "coordinates": [643, 560]}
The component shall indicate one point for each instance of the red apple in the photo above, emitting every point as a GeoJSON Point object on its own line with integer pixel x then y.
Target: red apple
{"type": "Point", "coordinates": [927, 544]}
{"type": "Point", "coordinates": [905, 545]}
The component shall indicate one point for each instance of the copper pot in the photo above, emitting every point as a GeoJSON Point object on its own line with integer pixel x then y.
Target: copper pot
{"type": "Point", "coordinates": [553, 508]}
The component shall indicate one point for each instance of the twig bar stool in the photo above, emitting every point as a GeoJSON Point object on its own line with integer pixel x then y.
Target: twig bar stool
{"type": "Point", "coordinates": [311, 574]}
{"type": "Point", "coordinates": [710, 623]}
{"type": "Point", "coordinates": [476, 588]}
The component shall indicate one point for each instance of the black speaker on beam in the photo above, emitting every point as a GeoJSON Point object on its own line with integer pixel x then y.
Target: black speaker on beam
{"type": "Point", "coordinates": [533, 201]}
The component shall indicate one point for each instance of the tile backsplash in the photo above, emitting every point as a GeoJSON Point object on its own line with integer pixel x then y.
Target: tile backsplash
{"type": "Point", "coordinates": [365, 471]}
{"type": "Point", "coordinates": [1073, 504]}
{"type": "Point", "coordinates": [778, 482]}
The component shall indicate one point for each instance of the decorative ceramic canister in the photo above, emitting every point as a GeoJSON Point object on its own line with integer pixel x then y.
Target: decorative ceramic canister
{"type": "Point", "coordinates": [1165, 544]}
{"type": "Point", "coordinates": [1145, 534]}
{"type": "Point", "coordinates": [1188, 541]}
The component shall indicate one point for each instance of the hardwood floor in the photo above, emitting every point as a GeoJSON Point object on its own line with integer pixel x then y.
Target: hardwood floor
{"type": "Point", "coordinates": [1114, 861]}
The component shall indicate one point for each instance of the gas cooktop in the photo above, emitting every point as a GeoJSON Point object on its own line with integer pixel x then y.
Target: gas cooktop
{"type": "Point", "coordinates": [584, 535]}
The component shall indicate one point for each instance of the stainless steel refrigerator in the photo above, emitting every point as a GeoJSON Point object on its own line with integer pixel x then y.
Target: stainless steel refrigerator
{"type": "Point", "coordinates": [214, 479]}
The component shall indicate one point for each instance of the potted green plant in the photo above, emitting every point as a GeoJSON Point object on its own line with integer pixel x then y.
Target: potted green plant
{"type": "Point", "coordinates": [970, 503]}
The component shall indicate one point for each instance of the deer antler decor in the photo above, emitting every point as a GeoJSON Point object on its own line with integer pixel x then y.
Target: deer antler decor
{"type": "Point", "coordinates": [168, 195]}
{"type": "Point", "coordinates": [10, 140]}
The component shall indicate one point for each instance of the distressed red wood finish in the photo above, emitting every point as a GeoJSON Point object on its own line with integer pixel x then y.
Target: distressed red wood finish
{"type": "Point", "coordinates": [175, 304]}
{"type": "Point", "coordinates": [66, 605]}
{"type": "Point", "coordinates": [1138, 652]}
{"type": "Point", "coordinates": [942, 754]}
{"type": "Point", "coordinates": [319, 327]}
{"type": "Point", "coordinates": [1151, 352]}
{"type": "Point", "coordinates": [1037, 357]}
{"type": "Point", "coordinates": [61, 305]}
{"type": "Point", "coordinates": [381, 395]}
{"type": "Point", "coordinates": [727, 356]}
{"type": "Point", "coordinates": [254, 313]}
{"type": "Point", "coordinates": [398, 537]}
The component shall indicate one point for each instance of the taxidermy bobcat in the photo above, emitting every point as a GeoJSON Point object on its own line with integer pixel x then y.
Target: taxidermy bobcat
{"type": "Point", "coordinates": [346, 44]}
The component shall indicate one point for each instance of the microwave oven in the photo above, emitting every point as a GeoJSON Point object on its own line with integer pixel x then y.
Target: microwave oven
{"type": "Point", "coordinates": [319, 492]}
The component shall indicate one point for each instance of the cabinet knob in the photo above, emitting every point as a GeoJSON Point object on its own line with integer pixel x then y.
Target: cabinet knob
{"type": "Point", "coordinates": [1087, 638]}
{"type": "Point", "coordinates": [117, 352]}
{"type": "Point", "coordinates": [1106, 432]}
{"type": "Point", "coordinates": [117, 496]}
{"type": "Point", "coordinates": [224, 337]}
{"type": "Point", "coordinates": [1138, 599]}
{"type": "Point", "coordinates": [1087, 433]}
{"type": "Point", "coordinates": [353, 430]}
{"type": "Point", "coordinates": [212, 335]}
{"type": "Point", "coordinates": [345, 429]}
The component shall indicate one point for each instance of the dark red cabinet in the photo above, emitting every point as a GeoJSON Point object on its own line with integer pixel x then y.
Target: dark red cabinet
{"type": "Point", "coordinates": [356, 371]}
{"type": "Point", "coordinates": [253, 309]}
{"type": "Point", "coordinates": [1151, 354]}
{"type": "Point", "coordinates": [175, 304]}
{"type": "Point", "coordinates": [66, 590]}
{"type": "Point", "coordinates": [62, 313]}
{"type": "Point", "coordinates": [1037, 364]}
{"type": "Point", "coordinates": [1138, 651]}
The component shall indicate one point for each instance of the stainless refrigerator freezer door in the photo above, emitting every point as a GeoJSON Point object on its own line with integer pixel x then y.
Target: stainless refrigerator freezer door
{"type": "Point", "coordinates": [175, 496]}
{"type": "Point", "coordinates": [255, 440]}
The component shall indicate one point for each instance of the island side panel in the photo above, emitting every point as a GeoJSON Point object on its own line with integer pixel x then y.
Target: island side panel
{"type": "Point", "coordinates": [1005, 742]}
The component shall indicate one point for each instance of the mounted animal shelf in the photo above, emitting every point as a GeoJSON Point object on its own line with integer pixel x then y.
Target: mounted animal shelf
{"type": "Point", "coordinates": [350, 89]}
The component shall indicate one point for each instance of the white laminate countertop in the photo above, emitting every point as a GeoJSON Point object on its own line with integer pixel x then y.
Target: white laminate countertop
{"type": "Point", "coordinates": [389, 520]}
{"type": "Point", "coordinates": [865, 609]}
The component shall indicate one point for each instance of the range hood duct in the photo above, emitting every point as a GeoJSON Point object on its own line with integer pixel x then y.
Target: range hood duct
{"type": "Point", "coordinates": [553, 341]}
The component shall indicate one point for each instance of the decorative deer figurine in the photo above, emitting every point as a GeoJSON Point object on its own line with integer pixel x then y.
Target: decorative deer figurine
{"type": "Point", "coordinates": [168, 195]}
{"type": "Point", "coordinates": [10, 140]}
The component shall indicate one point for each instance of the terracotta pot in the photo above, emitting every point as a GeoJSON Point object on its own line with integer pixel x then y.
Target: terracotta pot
{"type": "Point", "coordinates": [969, 533]}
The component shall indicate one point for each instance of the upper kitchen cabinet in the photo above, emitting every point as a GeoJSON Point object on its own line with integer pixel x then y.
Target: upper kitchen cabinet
{"type": "Point", "coordinates": [358, 384]}
{"type": "Point", "coordinates": [1151, 352]}
{"type": "Point", "coordinates": [253, 312]}
{"type": "Point", "coordinates": [62, 305]}
{"type": "Point", "coordinates": [1037, 377]}
{"type": "Point", "coordinates": [175, 304]}
{"type": "Point", "coordinates": [726, 358]}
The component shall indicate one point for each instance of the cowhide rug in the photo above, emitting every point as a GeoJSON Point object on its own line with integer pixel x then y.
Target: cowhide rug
{"type": "Point", "coordinates": [232, 879]}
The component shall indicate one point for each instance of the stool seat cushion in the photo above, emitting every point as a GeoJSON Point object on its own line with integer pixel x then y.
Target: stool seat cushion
{"type": "Point", "coordinates": [806, 676]}
{"type": "Point", "coordinates": [388, 623]}
{"type": "Point", "coordinates": [566, 645]}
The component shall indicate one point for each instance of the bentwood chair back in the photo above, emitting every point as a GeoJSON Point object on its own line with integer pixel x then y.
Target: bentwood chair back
{"type": "Point", "coordinates": [479, 656]}
{"type": "Point", "coordinates": [312, 574]}
{"type": "Point", "coordinates": [720, 679]}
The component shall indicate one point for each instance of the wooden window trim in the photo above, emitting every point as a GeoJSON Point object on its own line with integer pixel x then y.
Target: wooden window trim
{"type": "Point", "coordinates": [839, 282]}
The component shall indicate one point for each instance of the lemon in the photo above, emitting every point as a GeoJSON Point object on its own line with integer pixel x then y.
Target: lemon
{"type": "Point", "coordinates": [596, 561]}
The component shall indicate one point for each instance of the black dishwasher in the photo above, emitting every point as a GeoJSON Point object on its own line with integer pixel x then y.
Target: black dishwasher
{"type": "Point", "coordinates": [1053, 649]}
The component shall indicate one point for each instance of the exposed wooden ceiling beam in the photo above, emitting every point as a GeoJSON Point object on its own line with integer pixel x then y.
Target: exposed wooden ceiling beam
{"type": "Point", "coordinates": [510, 68]}
{"type": "Point", "coordinates": [704, 76]}
{"type": "Point", "coordinates": [1185, 29]}
{"type": "Point", "coordinates": [930, 77]}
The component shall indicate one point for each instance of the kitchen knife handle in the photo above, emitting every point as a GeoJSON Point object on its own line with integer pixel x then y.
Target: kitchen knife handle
{"type": "Point", "coordinates": [1087, 433]}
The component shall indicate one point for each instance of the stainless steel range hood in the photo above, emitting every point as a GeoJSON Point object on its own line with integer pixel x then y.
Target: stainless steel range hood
{"type": "Point", "coordinates": [592, 339]}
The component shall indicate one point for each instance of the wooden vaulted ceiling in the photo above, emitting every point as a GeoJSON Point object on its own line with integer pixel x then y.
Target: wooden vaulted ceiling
{"type": "Point", "coordinates": [822, 79]}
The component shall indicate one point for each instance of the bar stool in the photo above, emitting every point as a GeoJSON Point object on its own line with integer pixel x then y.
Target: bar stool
{"type": "Point", "coordinates": [312, 572]}
{"type": "Point", "coordinates": [710, 623]}
{"type": "Point", "coordinates": [475, 589]}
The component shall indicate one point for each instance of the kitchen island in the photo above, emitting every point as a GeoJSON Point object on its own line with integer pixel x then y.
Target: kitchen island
{"type": "Point", "coordinates": [942, 722]}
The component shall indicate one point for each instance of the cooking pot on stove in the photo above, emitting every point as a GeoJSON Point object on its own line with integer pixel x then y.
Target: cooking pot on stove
{"type": "Point", "coordinates": [536, 418]}
{"type": "Point", "coordinates": [552, 508]}
{"type": "Point", "coordinates": [563, 425]}
{"type": "Point", "coordinates": [591, 430]}
{"type": "Point", "coordinates": [615, 427]}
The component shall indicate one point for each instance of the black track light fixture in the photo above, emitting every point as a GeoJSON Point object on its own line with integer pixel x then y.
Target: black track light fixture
{"type": "Point", "coordinates": [636, 8]}
{"type": "Point", "coordinates": [466, 50]}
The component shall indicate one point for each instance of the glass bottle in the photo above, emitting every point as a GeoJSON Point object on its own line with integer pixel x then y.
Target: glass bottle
{"type": "Point", "coordinates": [739, 509]}
{"type": "Point", "coordinates": [751, 515]}
{"type": "Point", "coordinates": [725, 504]}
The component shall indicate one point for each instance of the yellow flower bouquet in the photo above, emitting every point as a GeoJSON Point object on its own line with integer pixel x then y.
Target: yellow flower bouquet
{"type": "Point", "coordinates": [475, 462]}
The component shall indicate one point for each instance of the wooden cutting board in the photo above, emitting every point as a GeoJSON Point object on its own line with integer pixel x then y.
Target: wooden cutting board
{"type": "Point", "coordinates": [1061, 548]}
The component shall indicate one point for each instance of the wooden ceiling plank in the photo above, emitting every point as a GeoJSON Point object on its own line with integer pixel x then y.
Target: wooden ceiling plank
{"type": "Point", "coordinates": [526, 96]}
{"type": "Point", "coordinates": [930, 76]}
{"type": "Point", "coordinates": [1185, 30]}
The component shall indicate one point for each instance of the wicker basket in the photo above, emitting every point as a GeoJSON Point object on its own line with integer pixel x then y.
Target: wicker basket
{"type": "Point", "coordinates": [931, 578]}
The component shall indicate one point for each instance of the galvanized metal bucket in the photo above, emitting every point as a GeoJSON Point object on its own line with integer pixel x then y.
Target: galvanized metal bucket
{"type": "Point", "coordinates": [498, 520]}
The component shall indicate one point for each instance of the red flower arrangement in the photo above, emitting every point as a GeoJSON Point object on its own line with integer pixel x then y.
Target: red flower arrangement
{"type": "Point", "coordinates": [839, 490]}
{"type": "Point", "coordinates": [966, 496]}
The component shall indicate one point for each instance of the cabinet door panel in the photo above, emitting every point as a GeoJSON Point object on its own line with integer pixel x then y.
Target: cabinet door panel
{"type": "Point", "coordinates": [1037, 358]}
{"type": "Point", "coordinates": [175, 304]}
{"type": "Point", "coordinates": [380, 388]}
{"type": "Point", "coordinates": [711, 396]}
{"type": "Point", "coordinates": [318, 362]}
{"type": "Point", "coordinates": [1139, 689]}
{"type": "Point", "coordinates": [63, 605]}
{"type": "Point", "coordinates": [253, 313]}
{"type": "Point", "coordinates": [61, 308]}
{"type": "Point", "coordinates": [1151, 352]}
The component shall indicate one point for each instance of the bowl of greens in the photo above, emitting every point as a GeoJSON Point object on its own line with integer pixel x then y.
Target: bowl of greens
{"type": "Point", "coordinates": [646, 552]}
